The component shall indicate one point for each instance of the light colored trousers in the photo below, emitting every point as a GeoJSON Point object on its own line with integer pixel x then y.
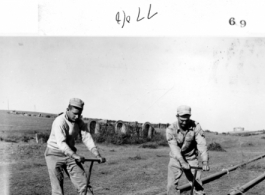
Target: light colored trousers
{"type": "Point", "coordinates": [175, 172]}
{"type": "Point", "coordinates": [57, 164]}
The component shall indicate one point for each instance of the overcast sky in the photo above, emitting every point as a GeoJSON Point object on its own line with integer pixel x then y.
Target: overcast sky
{"type": "Point", "coordinates": [138, 79]}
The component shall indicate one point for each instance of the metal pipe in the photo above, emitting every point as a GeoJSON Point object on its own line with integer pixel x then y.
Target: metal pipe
{"type": "Point", "coordinates": [92, 160]}
{"type": "Point", "coordinates": [193, 181]}
{"type": "Point", "coordinates": [220, 174]}
{"type": "Point", "coordinates": [196, 168]}
{"type": "Point", "coordinates": [248, 185]}
{"type": "Point", "coordinates": [214, 176]}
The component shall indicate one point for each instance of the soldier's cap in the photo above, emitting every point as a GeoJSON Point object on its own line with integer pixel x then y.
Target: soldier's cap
{"type": "Point", "coordinates": [76, 103]}
{"type": "Point", "coordinates": [183, 110]}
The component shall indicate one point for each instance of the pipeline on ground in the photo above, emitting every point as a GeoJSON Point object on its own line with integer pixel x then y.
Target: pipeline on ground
{"type": "Point", "coordinates": [248, 185]}
{"type": "Point", "coordinates": [217, 175]}
{"type": "Point", "coordinates": [220, 174]}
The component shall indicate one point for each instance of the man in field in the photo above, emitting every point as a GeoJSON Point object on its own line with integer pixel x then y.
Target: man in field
{"type": "Point", "coordinates": [186, 139]}
{"type": "Point", "coordinates": [60, 154]}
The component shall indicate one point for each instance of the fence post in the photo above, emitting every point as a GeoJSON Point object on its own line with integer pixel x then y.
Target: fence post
{"type": "Point", "coordinates": [37, 138]}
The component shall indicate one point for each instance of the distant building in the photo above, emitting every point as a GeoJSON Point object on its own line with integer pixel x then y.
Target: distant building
{"type": "Point", "coordinates": [237, 129]}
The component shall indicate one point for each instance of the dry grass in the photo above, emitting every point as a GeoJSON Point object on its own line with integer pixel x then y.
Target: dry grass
{"type": "Point", "coordinates": [130, 169]}
{"type": "Point", "coordinates": [12, 122]}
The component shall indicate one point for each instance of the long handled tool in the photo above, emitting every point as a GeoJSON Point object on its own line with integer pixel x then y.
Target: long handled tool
{"type": "Point", "coordinates": [92, 160]}
{"type": "Point", "coordinates": [194, 177]}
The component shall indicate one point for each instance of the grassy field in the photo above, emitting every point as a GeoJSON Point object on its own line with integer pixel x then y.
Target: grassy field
{"type": "Point", "coordinates": [129, 170]}
{"type": "Point", "coordinates": [13, 122]}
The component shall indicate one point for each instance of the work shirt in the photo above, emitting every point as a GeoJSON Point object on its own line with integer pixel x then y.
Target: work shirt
{"type": "Point", "coordinates": [64, 133]}
{"type": "Point", "coordinates": [186, 144]}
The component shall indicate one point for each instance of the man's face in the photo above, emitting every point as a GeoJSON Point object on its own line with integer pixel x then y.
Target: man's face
{"type": "Point", "coordinates": [74, 113]}
{"type": "Point", "coordinates": [183, 120]}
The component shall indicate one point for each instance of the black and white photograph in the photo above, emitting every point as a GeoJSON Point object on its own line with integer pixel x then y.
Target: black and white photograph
{"type": "Point", "coordinates": [149, 111]}
{"type": "Point", "coordinates": [136, 98]}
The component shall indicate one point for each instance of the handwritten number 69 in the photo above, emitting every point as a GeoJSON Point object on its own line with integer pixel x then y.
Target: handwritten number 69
{"type": "Point", "coordinates": [232, 22]}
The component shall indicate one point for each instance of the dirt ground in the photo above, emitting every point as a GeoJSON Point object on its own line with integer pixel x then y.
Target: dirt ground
{"type": "Point", "coordinates": [130, 170]}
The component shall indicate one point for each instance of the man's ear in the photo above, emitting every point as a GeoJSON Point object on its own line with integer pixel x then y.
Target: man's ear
{"type": "Point", "coordinates": [67, 109]}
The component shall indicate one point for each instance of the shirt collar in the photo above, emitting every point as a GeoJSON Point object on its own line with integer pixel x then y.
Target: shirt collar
{"type": "Point", "coordinates": [67, 118]}
{"type": "Point", "coordinates": [179, 129]}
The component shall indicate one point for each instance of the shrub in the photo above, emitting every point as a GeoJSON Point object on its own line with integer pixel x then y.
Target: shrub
{"type": "Point", "coordinates": [162, 143]}
{"type": "Point", "coordinates": [10, 140]}
{"type": "Point", "coordinates": [137, 157]}
{"type": "Point", "coordinates": [43, 137]}
{"type": "Point", "coordinates": [247, 134]}
{"type": "Point", "coordinates": [215, 147]}
{"type": "Point", "coordinates": [247, 144]}
{"type": "Point", "coordinates": [158, 137]}
{"type": "Point", "coordinates": [106, 134]}
{"type": "Point", "coordinates": [25, 138]}
{"type": "Point", "coordinates": [149, 145]}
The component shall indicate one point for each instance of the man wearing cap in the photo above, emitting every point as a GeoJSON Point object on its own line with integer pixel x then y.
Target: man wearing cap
{"type": "Point", "coordinates": [186, 139]}
{"type": "Point", "coordinates": [60, 154]}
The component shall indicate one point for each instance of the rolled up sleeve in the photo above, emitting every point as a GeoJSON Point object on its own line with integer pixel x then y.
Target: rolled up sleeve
{"type": "Point", "coordinates": [172, 142]}
{"type": "Point", "coordinates": [201, 143]}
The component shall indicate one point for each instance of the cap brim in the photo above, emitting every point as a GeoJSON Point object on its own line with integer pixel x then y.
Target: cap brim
{"type": "Point", "coordinates": [77, 106]}
{"type": "Point", "coordinates": [183, 114]}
